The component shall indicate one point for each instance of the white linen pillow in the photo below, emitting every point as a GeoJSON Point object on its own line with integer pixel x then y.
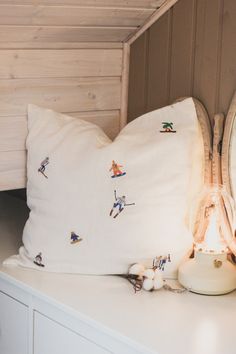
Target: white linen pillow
{"type": "Point", "coordinates": [78, 223]}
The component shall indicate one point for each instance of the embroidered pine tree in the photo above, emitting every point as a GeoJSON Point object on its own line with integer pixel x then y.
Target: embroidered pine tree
{"type": "Point", "coordinates": [167, 127]}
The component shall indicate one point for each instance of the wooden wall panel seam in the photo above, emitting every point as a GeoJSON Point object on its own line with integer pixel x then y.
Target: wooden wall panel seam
{"type": "Point", "coordinates": [90, 3]}
{"type": "Point", "coordinates": [146, 81]}
{"type": "Point", "coordinates": [125, 85]}
{"type": "Point", "coordinates": [59, 45]}
{"type": "Point", "coordinates": [193, 51]}
{"type": "Point", "coordinates": [209, 51]}
{"type": "Point", "coordinates": [65, 94]}
{"type": "Point", "coordinates": [219, 55]}
{"type": "Point", "coordinates": [16, 64]}
{"type": "Point", "coordinates": [170, 36]}
{"type": "Point", "coordinates": [72, 15]}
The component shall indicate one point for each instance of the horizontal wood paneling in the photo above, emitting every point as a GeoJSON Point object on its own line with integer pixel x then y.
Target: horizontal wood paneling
{"type": "Point", "coordinates": [12, 160]}
{"type": "Point", "coordinates": [61, 45]}
{"type": "Point", "coordinates": [109, 121]}
{"type": "Point", "coordinates": [63, 34]}
{"type": "Point", "coordinates": [63, 95]}
{"type": "Point", "coordinates": [12, 179]}
{"type": "Point", "coordinates": [13, 130]}
{"type": "Point", "coordinates": [107, 3]}
{"type": "Point", "coordinates": [12, 170]}
{"type": "Point", "coordinates": [72, 16]}
{"type": "Point", "coordinates": [197, 59]}
{"type": "Point", "coordinates": [60, 63]}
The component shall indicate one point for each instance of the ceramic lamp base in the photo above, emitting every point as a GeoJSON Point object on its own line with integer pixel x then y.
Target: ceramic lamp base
{"type": "Point", "coordinates": [208, 274]}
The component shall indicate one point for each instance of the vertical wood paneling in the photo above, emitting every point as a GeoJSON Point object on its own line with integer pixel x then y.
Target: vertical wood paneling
{"type": "Point", "coordinates": [197, 58]}
{"type": "Point", "coordinates": [182, 49]}
{"type": "Point", "coordinates": [207, 55]}
{"type": "Point", "coordinates": [137, 87]}
{"type": "Point", "coordinates": [228, 59]}
{"type": "Point", "coordinates": [158, 64]}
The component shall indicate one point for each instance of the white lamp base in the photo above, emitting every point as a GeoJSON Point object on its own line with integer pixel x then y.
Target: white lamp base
{"type": "Point", "coordinates": [209, 274]}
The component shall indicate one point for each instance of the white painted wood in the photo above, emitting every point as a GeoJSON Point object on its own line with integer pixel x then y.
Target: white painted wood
{"type": "Point", "coordinates": [60, 63]}
{"type": "Point", "coordinates": [165, 6]}
{"type": "Point", "coordinates": [125, 85]}
{"type": "Point", "coordinates": [72, 15]}
{"type": "Point", "coordinates": [62, 95]}
{"type": "Point", "coordinates": [51, 337]}
{"type": "Point", "coordinates": [106, 311]}
{"type": "Point", "coordinates": [92, 3]}
{"type": "Point", "coordinates": [54, 34]}
{"type": "Point", "coordinates": [13, 326]}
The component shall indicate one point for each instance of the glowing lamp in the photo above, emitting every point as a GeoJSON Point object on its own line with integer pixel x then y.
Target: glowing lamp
{"type": "Point", "coordinates": [210, 271]}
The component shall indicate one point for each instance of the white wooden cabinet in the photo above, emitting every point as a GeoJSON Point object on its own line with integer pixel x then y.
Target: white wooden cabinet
{"type": "Point", "coordinates": [13, 326]}
{"type": "Point", "coordinates": [52, 337]}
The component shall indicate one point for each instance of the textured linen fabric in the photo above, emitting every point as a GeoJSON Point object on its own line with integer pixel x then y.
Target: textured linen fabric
{"type": "Point", "coordinates": [98, 206]}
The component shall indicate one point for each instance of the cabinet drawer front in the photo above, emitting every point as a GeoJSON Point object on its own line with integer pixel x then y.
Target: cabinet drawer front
{"type": "Point", "coordinates": [51, 337]}
{"type": "Point", "coordinates": [13, 326]}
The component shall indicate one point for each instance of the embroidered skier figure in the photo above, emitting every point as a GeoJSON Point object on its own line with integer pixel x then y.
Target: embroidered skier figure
{"type": "Point", "coordinates": [75, 238]}
{"type": "Point", "coordinates": [120, 203]}
{"type": "Point", "coordinates": [167, 127]}
{"type": "Point", "coordinates": [43, 165]}
{"type": "Point", "coordinates": [38, 260]}
{"type": "Point", "coordinates": [160, 262]}
{"type": "Point", "coordinates": [115, 168]}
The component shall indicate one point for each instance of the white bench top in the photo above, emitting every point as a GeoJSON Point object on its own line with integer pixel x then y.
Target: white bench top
{"type": "Point", "coordinates": [159, 322]}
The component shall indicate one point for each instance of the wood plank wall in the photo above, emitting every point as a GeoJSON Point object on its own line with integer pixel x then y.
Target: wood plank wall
{"type": "Point", "coordinates": [190, 51]}
{"type": "Point", "coordinates": [83, 82]}
{"type": "Point", "coordinates": [64, 55]}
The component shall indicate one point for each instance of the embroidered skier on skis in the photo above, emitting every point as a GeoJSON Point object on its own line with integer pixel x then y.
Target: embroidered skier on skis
{"type": "Point", "coordinates": [119, 205]}
{"type": "Point", "coordinates": [42, 167]}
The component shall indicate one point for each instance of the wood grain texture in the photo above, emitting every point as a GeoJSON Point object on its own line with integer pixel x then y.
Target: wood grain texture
{"type": "Point", "coordinates": [60, 45]}
{"type": "Point", "coordinates": [227, 77]}
{"type": "Point", "coordinates": [137, 75]}
{"type": "Point", "coordinates": [72, 15]}
{"type": "Point", "coordinates": [92, 3]}
{"type": "Point", "coordinates": [202, 57]}
{"type": "Point", "coordinates": [13, 130]}
{"type": "Point", "coordinates": [63, 34]}
{"type": "Point", "coordinates": [125, 86]}
{"type": "Point", "coordinates": [12, 170]}
{"type": "Point", "coordinates": [165, 6]}
{"type": "Point", "coordinates": [182, 49]}
{"type": "Point", "coordinates": [158, 74]}
{"type": "Point", "coordinates": [60, 63]}
{"type": "Point", "coordinates": [63, 95]}
{"type": "Point", "coordinates": [207, 51]}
